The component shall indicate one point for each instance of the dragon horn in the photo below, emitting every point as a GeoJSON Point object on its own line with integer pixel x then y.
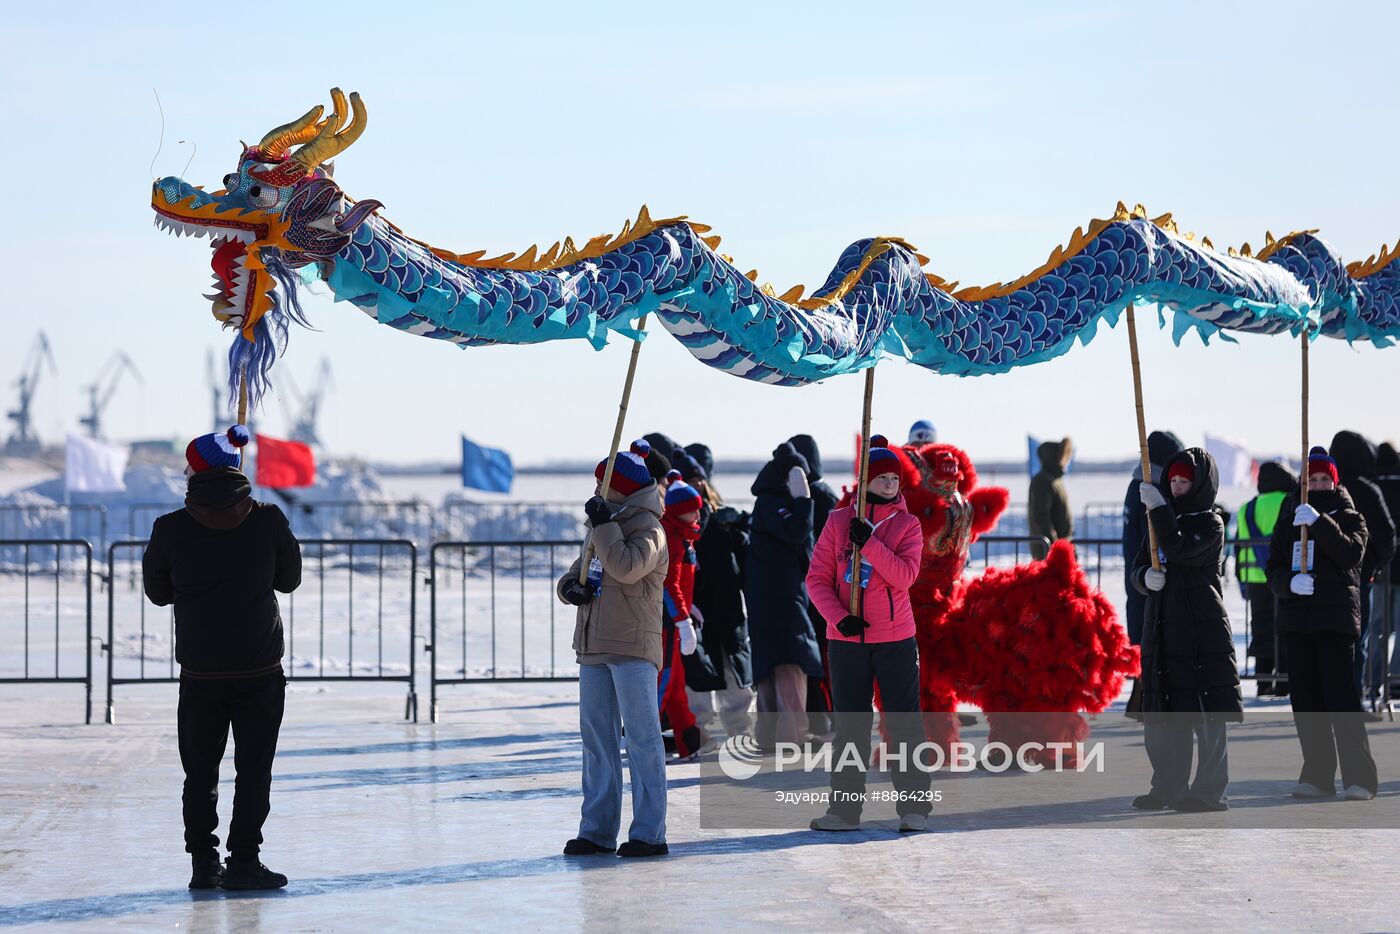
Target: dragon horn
{"type": "Point", "coordinates": [330, 141]}
{"type": "Point", "coordinates": [277, 141]}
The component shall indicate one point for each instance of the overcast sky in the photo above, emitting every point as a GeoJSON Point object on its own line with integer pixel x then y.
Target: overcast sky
{"type": "Point", "coordinates": [982, 135]}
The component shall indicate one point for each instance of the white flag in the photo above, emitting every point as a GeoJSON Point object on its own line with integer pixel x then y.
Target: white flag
{"type": "Point", "coordinates": [94, 467]}
{"type": "Point", "coordinates": [1234, 462]}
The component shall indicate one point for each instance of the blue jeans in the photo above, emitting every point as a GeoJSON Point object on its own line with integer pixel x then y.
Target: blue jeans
{"type": "Point", "coordinates": [610, 697]}
{"type": "Point", "coordinates": [1169, 749]}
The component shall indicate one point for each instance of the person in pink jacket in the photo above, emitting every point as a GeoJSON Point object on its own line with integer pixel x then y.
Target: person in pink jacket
{"type": "Point", "coordinates": [875, 647]}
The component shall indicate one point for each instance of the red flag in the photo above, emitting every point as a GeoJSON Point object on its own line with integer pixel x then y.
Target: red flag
{"type": "Point", "coordinates": [284, 463]}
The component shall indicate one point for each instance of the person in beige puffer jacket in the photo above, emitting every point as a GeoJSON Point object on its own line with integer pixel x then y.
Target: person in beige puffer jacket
{"type": "Point", "coordinates": [617, 637]}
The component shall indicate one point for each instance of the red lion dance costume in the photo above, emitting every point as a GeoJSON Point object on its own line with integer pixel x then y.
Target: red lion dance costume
{"type": "Point", "coordinates": [1034, 645]}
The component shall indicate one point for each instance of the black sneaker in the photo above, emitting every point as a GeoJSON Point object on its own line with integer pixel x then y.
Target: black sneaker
{"type": "Point", "coordinates": [208, 871]}
{"type": "Point", "coordinates": [247, 874]}
{"type": "Point", "coordinates": [1150, 802]}
{"type": "Point", "coordinates": [642, 848]}
{"type": "Point", "coordinates": [580, 846]}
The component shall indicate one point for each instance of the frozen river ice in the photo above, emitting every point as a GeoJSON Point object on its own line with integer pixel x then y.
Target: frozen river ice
{"type": "Point", "coordinates": [384, 825]}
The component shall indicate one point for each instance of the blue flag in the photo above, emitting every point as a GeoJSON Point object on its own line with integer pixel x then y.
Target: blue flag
{"type": "Point", "coordinates": [486, 469]}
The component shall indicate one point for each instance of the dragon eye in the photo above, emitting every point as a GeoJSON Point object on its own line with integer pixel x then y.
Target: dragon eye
{"type": "Point", "coordinates": [231, 181]}
{"type": "Point", "coordinates": [263, 197]}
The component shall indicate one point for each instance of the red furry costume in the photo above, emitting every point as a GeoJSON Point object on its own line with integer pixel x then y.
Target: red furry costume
{"type": "Point", "coordinates": [1032, 645]}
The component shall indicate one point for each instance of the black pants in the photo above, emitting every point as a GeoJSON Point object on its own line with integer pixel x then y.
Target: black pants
{"type": "Point", "coordinates": [1326, 707]}
{"type": "Point", "coordinates": [253, 708]}
{"type": "Point", "coordinates": [1262, 608]}
{"type": "Point", "coordinates": [856, 667]}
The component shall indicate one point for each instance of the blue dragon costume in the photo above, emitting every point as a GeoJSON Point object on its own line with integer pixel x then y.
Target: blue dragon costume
{"type": "Point", "coordinates": [280, 221]}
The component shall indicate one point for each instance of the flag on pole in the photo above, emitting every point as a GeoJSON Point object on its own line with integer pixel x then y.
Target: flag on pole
{"type": "Point", "coordinates": [1236, 465]}
{"type": "Point", "coordinates": [283, 464]}
{"type": "Point", "coordinates": [485, 468]}
{"type": "Point", "coordinates": [93, 467]}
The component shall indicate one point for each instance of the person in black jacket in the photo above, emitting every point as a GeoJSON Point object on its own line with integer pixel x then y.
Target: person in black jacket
{"type": "Point", "coordinates": [1385, 591]}
{"type": "Point", "coordinates": [719, 673]}
{"type": "Point", "coordinates": [1257, 519]}
{"type": "Point", "coordinates": [1047, 502]}
{"type": "Point", "coordinates": [785, 652]}
{"type": "Point", "coordinates": [824, 500]}
{"type": "Point", "coordinates": [1356, 468]}
{"type": "Point", "coordinates": [1160, 446]}
{"type": "Point", "coordinates": [218, 561]}
{"type": "Point", "coordinates": [1190, 681]}
{"type": "Point", "coordinates": [1319, 614]}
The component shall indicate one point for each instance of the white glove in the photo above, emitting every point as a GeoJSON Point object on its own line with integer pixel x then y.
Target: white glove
{"type": "Point", "coordinates": [1151, 496]}
{"type": "Point", "coordinates": [1305, 515]}
{"type": "Point", "coordinates": [687, 634]}
{"type": "Point", "coordinates": [1302, 585]}
{"type": "Point", "coordinates": [697, 616]}
{"type": "Point", "coordinates": [797, 483]}
{"type": "Point", "coordinates": [1155, 579]}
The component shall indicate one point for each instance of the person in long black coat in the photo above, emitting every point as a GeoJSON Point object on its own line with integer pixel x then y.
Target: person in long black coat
{"type": "Point", "coordinates": [1190, 680]}
{"type": "Point", "coordinates": [1319, 614]}
{"type": "Point", "coordinates": [824, 500]}
{"type": "Point", "coordinates": [1356, 459]}
{"type": "Point", "coordinates": [785, 651]}
{"type": "Point", "coordinates": [722, 662]}
{"type": "Point", "coordinates": [1385, 590]}
{"type": "Point", "coordinates": [1161, 445]}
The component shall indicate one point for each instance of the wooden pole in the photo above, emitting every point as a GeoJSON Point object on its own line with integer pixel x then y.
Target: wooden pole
{"type": "Point", "coordinates": [1142, 431]}
{"type": "Point", "coordinates": [616, 438]}
{"type": "Point", "coordinates": [243, 396]}
{"type": "Point", "coordinates": [1303, 492]}
{"type": "Point", "coordinates": [862, 477]}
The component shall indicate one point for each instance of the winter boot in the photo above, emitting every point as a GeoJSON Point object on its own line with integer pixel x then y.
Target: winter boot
{"type": "Point", "coordinates": [1304, 790]}
{"type": "Point", "coordinates": [1190, 804]}
{"type": "Point", "coordinates": [248, 874]}
{"type": "Point", "coordinates": [579, 846]}
{"type": "Point", "coordinates": [208, 871]}
{"type": "Point", "coordinates": [642, 848]}
{"type": "Point", "coordinates": [912, 823]}
{"type": "Point", "coordinates": [833, 822]}
{"type": "Point", "coordinates": [1357, 793]}
{"type": "Point", "coordinates": [1150, 802]}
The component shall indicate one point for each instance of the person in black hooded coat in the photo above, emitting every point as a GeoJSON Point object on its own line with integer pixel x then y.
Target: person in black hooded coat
{"type": "Point", "coordinates": [1385, 594]}
{"type": "Point", "coordinates": [1190, 681]}
{"type": "Point", "coordinates": [824, 500]}
{"type": "Point", "coordinates": [1356, 457]}
{"type": "Point", "coordinates": [1160, 446]}
{"type": "Point", "coordinates": [722, 662]}
{"type": "Point", "coordinates": [1319, 614]}
{"type": "Point", "coordinates": [785, 651]}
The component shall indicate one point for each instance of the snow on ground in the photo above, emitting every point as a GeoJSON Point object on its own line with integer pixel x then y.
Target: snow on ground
{"type": "Point", "coordinates": [387, 825]}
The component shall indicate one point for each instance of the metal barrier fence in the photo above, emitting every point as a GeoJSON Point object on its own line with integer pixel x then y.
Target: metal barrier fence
{"type": "Point", "coordinates": [411, 519]}
{"type": "Point", "coordinates": [338, 575]}
{"type": "Point", "coordinates": [54, 521]}
{"type": "Point", "coordinates": [497, 591]}
{"type": "Point", "coordinates": [34, 563]}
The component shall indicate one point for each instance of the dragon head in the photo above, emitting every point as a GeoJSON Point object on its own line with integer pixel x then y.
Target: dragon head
{"type": "Point", "coordinates": [278, 210]}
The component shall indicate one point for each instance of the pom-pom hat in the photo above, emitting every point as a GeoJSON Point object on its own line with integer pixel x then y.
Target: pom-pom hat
{"type": "Point", "coordinates": [219, 449]}
{"type": "Point", "coordinates": [881, 459]}
{"type": "Point", "coordinates": [1319, 461]}
{"type": "Point", "coordinates": [630, 472]}
{"type": "Point", "coordinates": [681, 497]}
